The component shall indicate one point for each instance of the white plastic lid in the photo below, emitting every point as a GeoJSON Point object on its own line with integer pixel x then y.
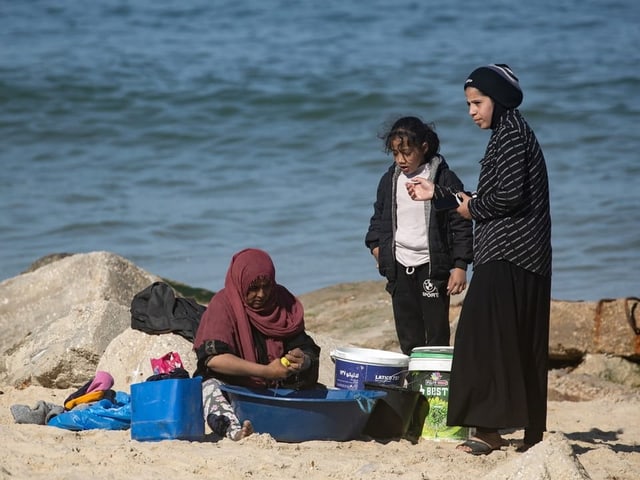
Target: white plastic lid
{"type": "Point", "coordinates": [370, 356]}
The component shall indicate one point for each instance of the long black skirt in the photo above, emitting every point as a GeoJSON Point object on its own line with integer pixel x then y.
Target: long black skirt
{"type": "Point", "coordinates": [501, 349]}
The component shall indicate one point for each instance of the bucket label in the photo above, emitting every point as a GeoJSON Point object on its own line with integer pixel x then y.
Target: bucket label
{"type": "Point", "coordinates": [352, 376]}
{"type": "Point", "coordinates": [435, 386]}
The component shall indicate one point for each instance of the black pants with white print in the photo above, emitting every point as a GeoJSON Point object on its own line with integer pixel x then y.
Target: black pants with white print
{"type": "Point", "coordinates": [420, 309]}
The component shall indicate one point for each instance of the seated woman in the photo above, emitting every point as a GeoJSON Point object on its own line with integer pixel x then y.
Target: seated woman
{"type": "Point", "coordinates": [252, 334]}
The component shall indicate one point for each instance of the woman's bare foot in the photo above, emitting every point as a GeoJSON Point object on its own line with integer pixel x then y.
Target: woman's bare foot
{"type": "Point", "coordinates": [245, 431]}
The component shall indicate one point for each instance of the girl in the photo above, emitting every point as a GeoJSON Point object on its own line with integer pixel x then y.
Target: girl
{"type": "Point", "coordinates": [422, 252]}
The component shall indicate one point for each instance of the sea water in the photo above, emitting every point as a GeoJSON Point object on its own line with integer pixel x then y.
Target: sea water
{"type": "Point", "coordinates": [176, 133]}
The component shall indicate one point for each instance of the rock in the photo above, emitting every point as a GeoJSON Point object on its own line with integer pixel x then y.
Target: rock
{"type": "Point", "coordinates": [578, 328]}
{"type": "Point", "coordinates": [128, 357]}
{"type": "Point", "coordinates": [596, 377]}
{"type": "Point", "coordinates": [551, 459]}
{"type": "Point", "coordinates": [357, 313]}
{"type": "Point", "coordinates": [610, 368]}
{"type": "Point", "coordinates": [63, 352]}
{"type": "Point", "coordinates": [58, 319]}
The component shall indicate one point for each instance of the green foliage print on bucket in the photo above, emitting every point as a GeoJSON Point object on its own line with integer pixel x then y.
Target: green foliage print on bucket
{"type": "Point", "coordinates": [435, 386]}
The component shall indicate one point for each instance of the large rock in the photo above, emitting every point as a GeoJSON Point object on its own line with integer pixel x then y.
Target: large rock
{"type": "Point", "coordinates": [58, 319]}
{"type": "Point", "coordinates": [64, 352]}
{"type": "Point", "coordinates": [128, 357]}
{"type": "Point", "coordinates": [361, 314]}
{"type": "Point", "coordinates": [597, 376]}
{"type": "Point", "coordinates": [551, 459]}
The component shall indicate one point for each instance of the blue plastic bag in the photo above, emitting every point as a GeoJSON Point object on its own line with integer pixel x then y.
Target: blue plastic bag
{"type": "Point", "coordinates": [103, 414]}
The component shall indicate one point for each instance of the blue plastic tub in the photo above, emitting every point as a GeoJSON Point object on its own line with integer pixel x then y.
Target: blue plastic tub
{"type": "Point", "coordinates": [168, 409]}
{"type": "Point", "coordinates": [302, 415]}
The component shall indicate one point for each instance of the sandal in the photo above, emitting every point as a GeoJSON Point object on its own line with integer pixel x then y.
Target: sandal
{"type": "Point", "coordinates": [476, 447]}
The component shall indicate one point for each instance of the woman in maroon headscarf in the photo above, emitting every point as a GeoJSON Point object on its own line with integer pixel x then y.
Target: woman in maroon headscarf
{"type": "Point", "coordinates": [251, 334]}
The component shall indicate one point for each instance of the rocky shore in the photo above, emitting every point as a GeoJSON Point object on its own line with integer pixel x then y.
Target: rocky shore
{"type": "Point", "coordinates": [68, 316]}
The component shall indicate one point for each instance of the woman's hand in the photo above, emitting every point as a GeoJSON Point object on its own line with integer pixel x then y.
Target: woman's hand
{"type": "Point", "coordinates": [297, 359]}
{"type": "Point", "coordinates": [463, 209]}
{"type": "Point", "coordinates": [276, 370]}
{"type": "Point", "coordinates": [420, 188]}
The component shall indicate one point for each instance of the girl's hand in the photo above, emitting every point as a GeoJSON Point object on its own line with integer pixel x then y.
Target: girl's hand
{"type": "Point", "coordinates": [375, 252]}
{"type": "Point", "coordinates": [457, 281]}
{"type": "Point", "coordinates": [420, 189]}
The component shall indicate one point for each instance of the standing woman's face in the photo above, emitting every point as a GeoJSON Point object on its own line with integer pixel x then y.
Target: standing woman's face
{"type": "Point", "coordinates": [480, 107]}
{"type": "Point", "coordinates": [259, 293]}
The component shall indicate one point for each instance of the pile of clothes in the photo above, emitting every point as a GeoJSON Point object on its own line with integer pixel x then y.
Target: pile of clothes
{"type": "Point", "coordinates": [93, 406]}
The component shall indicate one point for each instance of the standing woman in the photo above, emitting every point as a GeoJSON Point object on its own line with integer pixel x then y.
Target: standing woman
{"type": "Point", "coordinates": [499, 370]}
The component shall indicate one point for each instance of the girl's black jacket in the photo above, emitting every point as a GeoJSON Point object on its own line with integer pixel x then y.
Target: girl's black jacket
{"type": "Point", "coordinates": [450, 235]}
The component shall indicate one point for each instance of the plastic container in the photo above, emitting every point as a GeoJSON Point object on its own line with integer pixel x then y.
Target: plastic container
{"type": "Point", "coordinates": [429, 373]}
{"type": "Point", "coordinates": [355, 366]}
{"type": "Point", "coordinates": [168, 409]}
{"type": "Point", "coordinates": [301, 415]}
{"type": "Point", "coordinates": [401, 413]}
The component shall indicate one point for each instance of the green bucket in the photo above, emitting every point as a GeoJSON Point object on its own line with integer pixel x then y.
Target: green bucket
{"type": "Point", "coordinates": [429, 373]}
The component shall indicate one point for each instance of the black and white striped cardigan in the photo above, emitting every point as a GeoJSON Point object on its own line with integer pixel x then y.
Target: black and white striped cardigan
{"type": "Point", "coordinates": [511, 213]}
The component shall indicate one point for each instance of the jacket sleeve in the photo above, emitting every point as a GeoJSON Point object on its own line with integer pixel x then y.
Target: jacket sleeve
{"type": "Point", "coordinates": [372, 239]}
{"type": "Point", "coordinates": [461, 229]}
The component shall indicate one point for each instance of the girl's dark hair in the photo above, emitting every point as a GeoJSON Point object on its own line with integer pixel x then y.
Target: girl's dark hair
{"type": "Point", "coordinates": [413, 132]}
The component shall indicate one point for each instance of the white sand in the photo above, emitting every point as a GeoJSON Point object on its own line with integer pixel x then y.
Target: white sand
{"type": "Point", "coordinates": [603, 434]}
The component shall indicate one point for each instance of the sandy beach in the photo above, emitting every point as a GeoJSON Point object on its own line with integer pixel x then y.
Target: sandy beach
{"type": "Point", "coordinates": [602, 435]}
{"type": "Point", "coordinates": [593, 427]}
{"type": "Point", "coordinates": [594, 438]}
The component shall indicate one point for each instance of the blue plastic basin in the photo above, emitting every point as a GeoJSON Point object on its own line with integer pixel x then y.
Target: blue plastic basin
{"type": "Point", "coordinates": [301, 415]}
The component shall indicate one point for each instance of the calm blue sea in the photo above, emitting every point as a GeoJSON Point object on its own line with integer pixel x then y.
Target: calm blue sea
{"type": "Point", "coordinates": [176, 133]}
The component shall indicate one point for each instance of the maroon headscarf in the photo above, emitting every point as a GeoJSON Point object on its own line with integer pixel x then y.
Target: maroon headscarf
{"type": "Point", "coordinates": [229, 319]}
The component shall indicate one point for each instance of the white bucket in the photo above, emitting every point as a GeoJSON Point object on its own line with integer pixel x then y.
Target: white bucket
{"type": "Point", "coordinates": [355, 366]}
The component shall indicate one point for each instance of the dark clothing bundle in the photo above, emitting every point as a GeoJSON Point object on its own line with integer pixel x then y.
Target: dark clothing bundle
{"type": "Point", "coordinates": [156, 310]}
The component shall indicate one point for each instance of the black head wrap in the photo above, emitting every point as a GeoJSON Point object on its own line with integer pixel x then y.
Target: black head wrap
{"type": "Point", "coordinates": [498, 82]}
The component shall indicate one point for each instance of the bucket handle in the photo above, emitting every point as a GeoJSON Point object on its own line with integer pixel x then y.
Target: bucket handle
{"type": "Point", "coordinates": [366, 404]}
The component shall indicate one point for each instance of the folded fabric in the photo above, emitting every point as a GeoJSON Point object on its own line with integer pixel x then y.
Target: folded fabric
{"type": "Point", "coordinates": [102, 381]}
{"type": "Point", "coordinates": [175, 373]}
{"type": "Point", "coordinates": [86, 398]}
{"type": "Point", "coordinates": [39, 415]}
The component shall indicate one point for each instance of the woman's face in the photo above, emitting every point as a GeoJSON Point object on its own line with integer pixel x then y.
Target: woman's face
{"type": "Point", "coordinates": [259, 293]}
{"type": "Point", "coordinates": [480, 107]}
{"type": "Point", "coordinates": [407, 158]}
